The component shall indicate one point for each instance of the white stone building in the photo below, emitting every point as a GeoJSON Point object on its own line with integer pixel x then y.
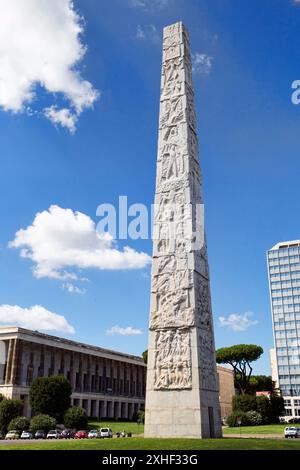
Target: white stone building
{"type": "Point", "coordinates": [107, 384]}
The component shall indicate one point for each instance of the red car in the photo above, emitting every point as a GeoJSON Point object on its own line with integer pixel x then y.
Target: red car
{"type": "Point", "coordinates": [81, 435]}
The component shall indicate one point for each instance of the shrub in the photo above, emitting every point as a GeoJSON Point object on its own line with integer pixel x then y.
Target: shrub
{"type": "Point", "coordinates": [50, 395]}
{"type": "Point", "coordinates": [19, 424]}
{"type": "Point", "coordinates": [244, 403]}
{"type": "Point", "coordinates": [277, 403]}
{"type": "Point", "coordinates": [254, 418]}
{"type": "Point", "coordinates": [264, 407]}
{"type": "Point", "coordinates": [76, 418]}
{"type": "Point", "coordinates": [268, 408]}
{"type": "Point", "coordinates": [43, 422]}
{"type": "Point", "coordinates": [232, 420]}
{"type": "Point", "coordinates": [139, 416]}
{"type": "Point", "coordinates": [9, 409]}
{"type": "Point", "coordinates": [145, 356]}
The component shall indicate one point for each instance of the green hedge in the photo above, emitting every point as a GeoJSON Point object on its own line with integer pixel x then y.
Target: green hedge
{"type": "Point", "coordinates": [42, 422]}
{"type": "Point", "coordinates": [253, 410]}
{"type": "Point", "coordinates": [19, 424]}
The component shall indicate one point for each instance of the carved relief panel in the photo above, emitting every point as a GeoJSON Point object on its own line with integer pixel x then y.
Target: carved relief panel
{"type": "Point", "coordinates": [173, 365]}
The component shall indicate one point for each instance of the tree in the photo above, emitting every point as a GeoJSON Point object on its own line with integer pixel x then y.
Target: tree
{"type": "Point", "coordinates": [19, 424]}
{"type": "Point", "coordinates": [244, 403]}
{"type": "Point", "coordinates": [145, 356]}
{"type": "Point", "coordinates": [264, 407]}
{"type": "Point", "coordinates": [50, 395]}
{"type": "Point", "coordinates": [43, 423]}
{"type": "Point", "coordinates": [261, 383]}
{"type": "Point", "coordinates": [240, 358]}
{"type": "Point", "coordinates": [237, 418]}
{"type": "Point", "coordinates": [76, 418]}
{"type": "Point", "coordinates": [277, 407]}
{"type": "Point", "coordinates": [9, 409]}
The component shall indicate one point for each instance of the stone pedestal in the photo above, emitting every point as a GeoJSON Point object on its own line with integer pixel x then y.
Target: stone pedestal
{"type": "Point", "coordinates": [182, 397]}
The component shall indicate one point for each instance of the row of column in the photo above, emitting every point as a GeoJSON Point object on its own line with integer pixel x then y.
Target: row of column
{"type": "Point", "coordinates": [108, 408]}
{"type": "Point", "coordinates": [122, 378]}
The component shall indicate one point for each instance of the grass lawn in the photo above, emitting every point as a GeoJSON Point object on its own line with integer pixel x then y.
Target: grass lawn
{"type": "Point", "coordinates": [266, 429]}
{"type": "Point", "coordinates": [159, 444]}
{"type": "Point", "coordinates": [117, 426]}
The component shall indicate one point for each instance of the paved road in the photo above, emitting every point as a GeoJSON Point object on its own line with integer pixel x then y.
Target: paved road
{"type": "Point", "coordinates": [226, 436]}
{"type": "Point", "coordinates": [5, 442]}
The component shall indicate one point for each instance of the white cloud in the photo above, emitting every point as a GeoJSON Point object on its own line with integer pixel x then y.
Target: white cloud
{"type": "Point", "coordinates": [238, 322]}
{"type": "Point", "coordinates": [40, 44]}
{"type": "Point", "coordinates": [202, 63]}
{"type": "Point", "coordinates": [149, 4]}
{"type": "Point", "coordinates": [148, 33]}
{"type": "Point", "coordinates": [34, 318]}
{"type": "Point", "coordinates": [128, 331]}
{"type": "Point", "coordinates": [72, 289]}
{"type": "Point", "coordinates": [60, 240]}
{"type": "Point", "coordinates": [64, 117]}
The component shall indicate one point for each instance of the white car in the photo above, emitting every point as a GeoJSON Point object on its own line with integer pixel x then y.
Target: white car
{"type": "Point", "coordinates": [12, 435]}
{"type": "Point", "coordinates": [105, 433]}
{"type": "Point", "coordinates": [54, 434]}
{"type": "Point", "coordinates": [291, 431]}
{"type": "Point", "coordinates": [26, 435]}
{"type": "Point", "coordinates": [93, 434]}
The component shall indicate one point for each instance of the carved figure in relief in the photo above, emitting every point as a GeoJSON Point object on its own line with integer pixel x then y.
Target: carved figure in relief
{"type": "Point", "coordinates": [188, 71]}
{"type": "Point", "coordinates": [173, 360]}
{"type": "Point", "coordinates": [172, 293]}
{"type": "Point", "coordinates": [193, 146]}
{"type": "Point", "coordinates": [172, 89]}
{"type": "Point", "coordinates": [201, 261]}
{"type": "Point", "coordinates": [172, 52]}
{"type": "Point", "coordinates": [176, 39]}
{"type": "Point", "coordinates": [172, 30]}
{"type": "Point", "coordinates": [203, 302]}
{"type": "Point", "coordinates": [207, 361]}
{"type": "Point", "coordinates": [171, 112]}
{"type": "Point", "coordinates": [171, 135]}
{"type": "Point", "coordinates": [172, 70]}
{"type": "Point", "coordinates": [191, 113]}
{"type": "Point", "coordinates": [167, 264]}
{"type": "Point", "coordinates": [173, 163]}
{"type": "Point", "coordinates": [164, 211]}
{"type": "Point", "coordinates": [195, 185]}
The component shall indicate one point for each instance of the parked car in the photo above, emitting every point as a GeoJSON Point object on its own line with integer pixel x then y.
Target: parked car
{"type": "Point", "coordinates": [40, 434]}
{"type": "Point", "coordinates": [81, 435]}
{"type": "Point", "coordinates": [292, 432]}
{"type": "Point", "coordinates": [93, 434]}
{"type": "Point", "coordinates": [67, 434]}
{"type": "Point", "coordinates": [105, 433]}
{"type": "Point", "coordinates": [12, 435]}
{"type": "Point", "coordinates": [26, 435]}
{"type": "Point", "coordinates": [54, 434]}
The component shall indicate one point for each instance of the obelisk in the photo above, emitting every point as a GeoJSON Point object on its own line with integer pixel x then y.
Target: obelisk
{"type": "Point", "coordinates": [182, 395]}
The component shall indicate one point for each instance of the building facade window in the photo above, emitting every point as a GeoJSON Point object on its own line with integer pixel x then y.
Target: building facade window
{"type": "Point", "coordinates": [284, 277]}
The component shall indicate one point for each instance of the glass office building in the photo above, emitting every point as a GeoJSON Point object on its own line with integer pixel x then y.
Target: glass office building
{"type": "Point", "coordinates": [284, 281]}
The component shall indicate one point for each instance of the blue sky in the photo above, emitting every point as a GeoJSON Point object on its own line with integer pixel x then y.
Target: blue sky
{"type": "Point", "coordinates": [247, 56]}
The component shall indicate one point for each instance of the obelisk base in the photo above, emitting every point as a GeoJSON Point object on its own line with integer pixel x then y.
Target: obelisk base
{"type": "Point", "coordinates": [186, 413]}
{"type": "Point", "coordinates": [178, 422]}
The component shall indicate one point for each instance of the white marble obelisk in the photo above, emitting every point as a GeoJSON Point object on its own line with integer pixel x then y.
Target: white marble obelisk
{"type": "Point", "coordinates": [182, 397]}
